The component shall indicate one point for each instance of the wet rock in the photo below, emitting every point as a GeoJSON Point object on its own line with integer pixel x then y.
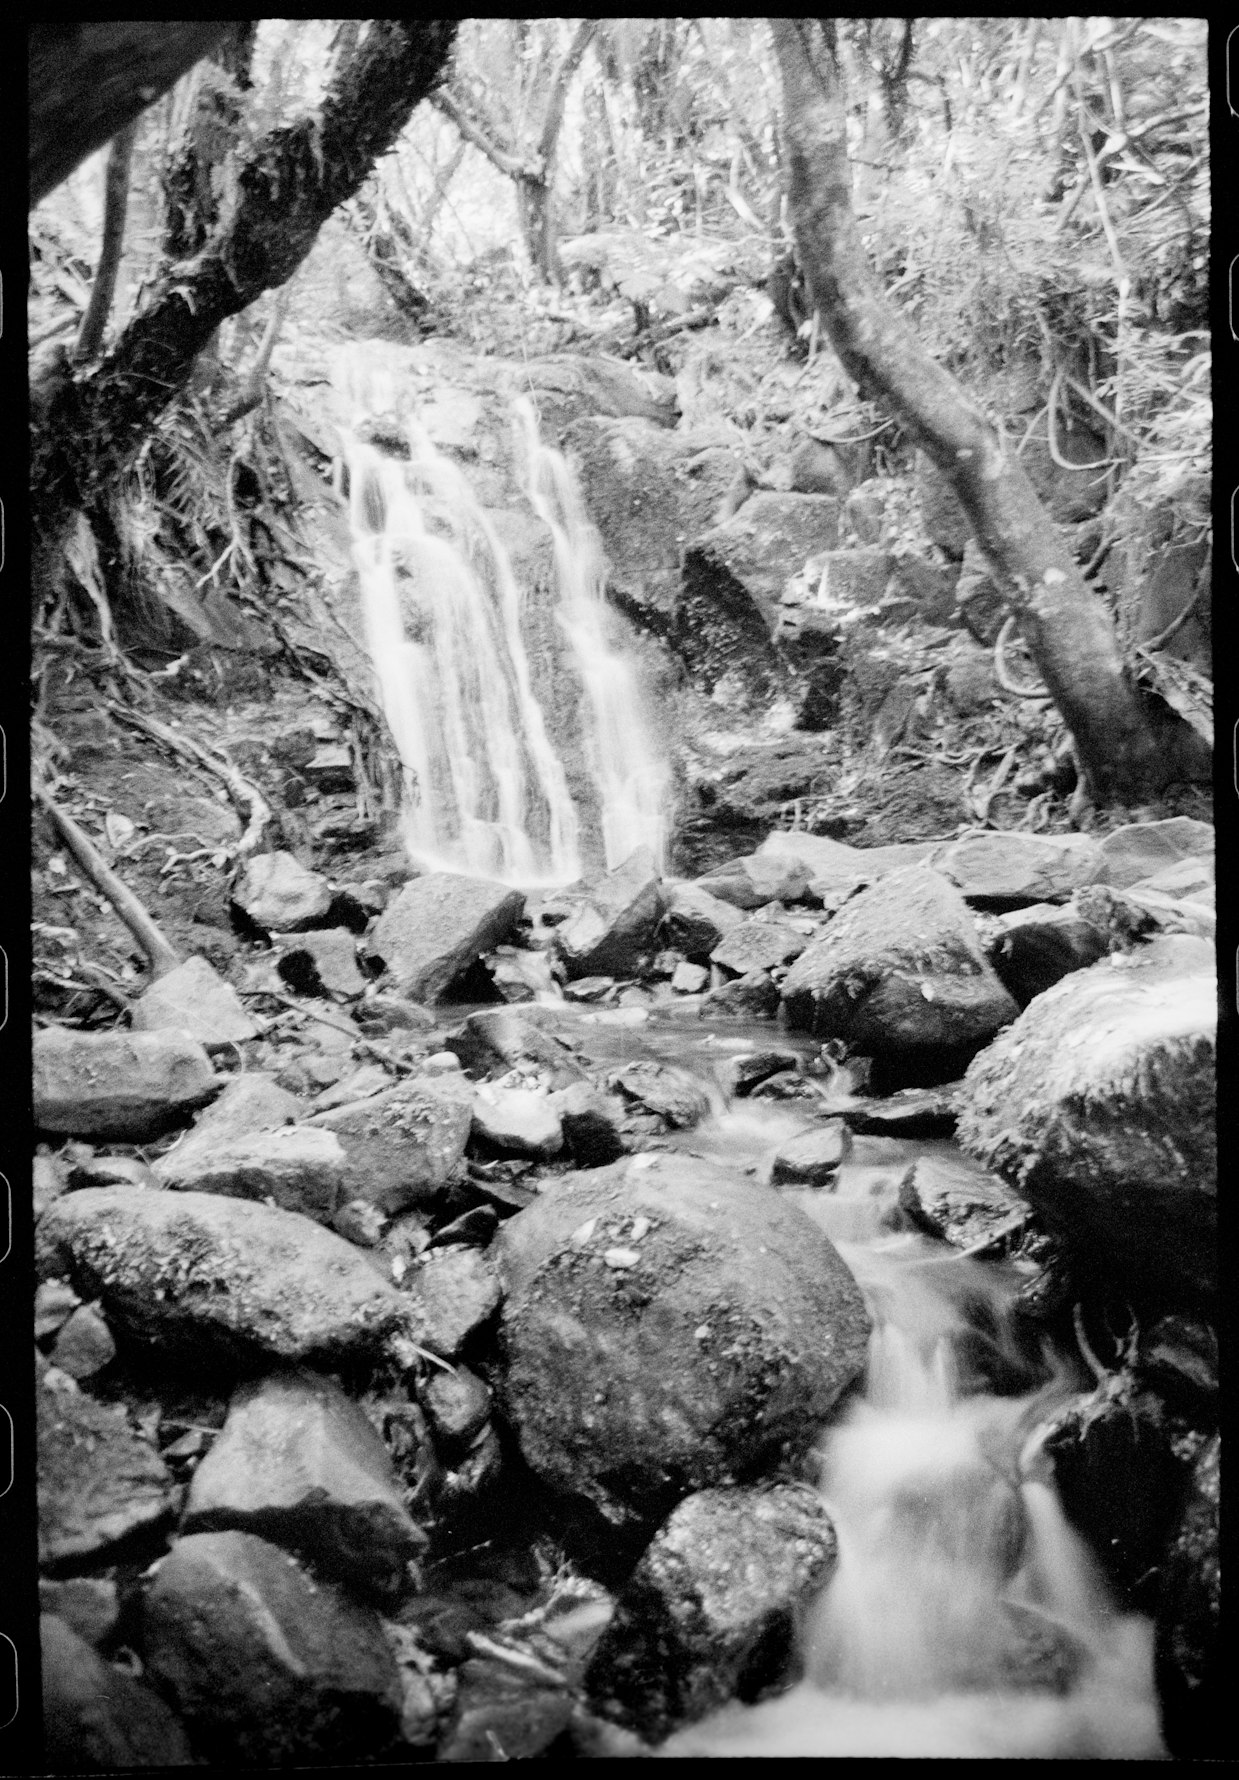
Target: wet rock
{"type": "Point", "coordinates": [503, 1714]}
{"type": "Point", "coordinates": [402, 1147]}
{"type": "Point", "coordinates": [754, 997]}
{"type": "Point", "coordinates": [758, 945]}
{"type": "Point", "coordinates": [49, 1180]}
{"type": "Point", "coordinates": [456, 1292]}
{"type": "Point", "coordinates": [1142, 849]}
{"type": "Point", "coordinates": [614, 924]}
{"type": "Point", "coordinates": [1099, 1104]}
{"type": "Point", "coordinates": [88, 1605]}
{"type": "Point", "coordinates": [475, 1227]}
{"type": "Point", "coordinates": [195, 1269]}
{"type": "Point", "coordinates": [696, 919]}
{"type": "Point", "coordinates": [99, 1483]}
{"type": "Point", "coordinates": [298, 1166]}
{"type": "Point", "coordinates": [516, 1121]}
{"type": "Point", "coordinates": [276, 894]}
{"type": "Point", "coordinates": [1034, 948]}
{"type": "Point", "coordinates": [813, 1158]}
{"type": "Point", "coordinates": [266, 1667]}
{"type": "Point", "coordinates": [84, 1345]}
{"type": "Point", "coordinates": [592, 1122]}
{"type": "Point", "coordinates": [589, 989]}
{"type": "Point", "coordinates": [323, 963]}
{"type": "Point", "coordinates": [911, 1112]}
{"type": "Point", "coordinates": [1190, 1681]}
{"type": "Point", "coordinates": [954, 1199]}
{"type": "Point", "coordinates": [98, 1718]}
{"type": "Point", "coordinates": [689, 979]}
{"type": "Point", "coordinates": [899, 975]}
{"type": "Point", "coordinates": [438, 926]}
{"type": "Point", "coordinates": [666, 1326]}
{"type": "Point", "coordinates": [195, 999]}
{"type": "Point", "coordinates": [54, 1303]}
{"type": "Point", "coordinates": [117, 1084]}
{"type": "Point", "coordinates": [747, 1072]}
{"type": "Point", "coordinates": [710, 1612]}
{"type": "Point", "coordinates": [457, 1403]}
{"type": "Point", "coordinates": [672, 1094]}
{"type": "Point", "coordinates": [766, 543]}
{"type": "Point", "coordinates": [1003, 871]}
{"type": "Point", "coordinates": [299, 1464]}
{"type": "Point", "coordinates": [1178, 1355]}
{"type": "Point", "coordinates": [510, 1038]}
{"type": "Point", "coordinates": [519, 975]}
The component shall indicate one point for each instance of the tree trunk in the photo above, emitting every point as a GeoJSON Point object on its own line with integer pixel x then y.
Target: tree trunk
{"type": "Point", "coordinates": [87, 81]}
{"type": "Point", "coordinates": [115, 204]}
{"type": "Point", "coordinates": [1129, 748]}
{"type": "Point", "coordinates": [289, 184]}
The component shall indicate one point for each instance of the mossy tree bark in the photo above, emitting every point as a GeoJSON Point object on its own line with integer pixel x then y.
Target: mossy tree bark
{"type": "Point", "coordinates": [1129, 746]}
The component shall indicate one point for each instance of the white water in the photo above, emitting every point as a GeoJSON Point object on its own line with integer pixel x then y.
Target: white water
{"type": "Point", "coordinates": [486, 791]}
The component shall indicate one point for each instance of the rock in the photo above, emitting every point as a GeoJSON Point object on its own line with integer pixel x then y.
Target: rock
{"type": "Point", "coordinates": [1189, 1669]}
{"type": "Point", "coordinates": [253, 1102]}
{"type": "Point", "coordinates": [830, 861]}
{"type": "Point", "coordinates": [195, 999]}
{"type": "Point", "coordinates": [977, 599]}
{"type": "Point", "coordinates": [323, 963]}
{"type": "Point", "coordinates": [945, 522]}
{"type": "Point", "coordinates": [696, 919]}
{"type": "Point", "coordinates": [98, 1718]}
{"type": "Point", "coordinates": [370, 1079]}
{"type": "Point", "coordinates": [516, 1121]}
{"type": "Point", "coordinates": [754, 997]}
{"type": "Point", "coordinates": [277, 894]}
{"type": "Point", "coordinates": [758, 945]}
{"type": "Point", "coordinates": [49, 1180]}
{"type": "Point", "coordinates": [813, 1158]}
{"type": "Point", "coordinates": [1143, 849]}
{"type": "Point", "coordinates": [197, 1270]}
{"type": "Point", "coordinates": [438, 926]}
{"type": "Point", "coordinates": [748, 1071]}
{"type": "Point", "coordinates": [507, 1038]}
{"type": "Point", "coordinates": [298, 1166]}
{"type": "Point", "coordinates": [504, 1715]}
{"type": "Point", "coordinates": [84, 1345]}
{"type": "Point", "coordinates": [331, 767]}
{"type": "Point", "coordinates": [753, 882]}
{"type": "Point", "coordinates": [267, 1668]}
{"type": "Point", "coordinates": [1003, 871]}
{"type": "Point", "coordinates": [457, 1403]}
{"type": "Point", "coordinates": [1178, 1355]}
{"type": "Point", "coordinates": [853, 577]}
{"type": "Point", "coordinates": [99, 1483]}
{"type": "Point", "coordinates": [299, 1464]}
{"type": "Point", "coordinates": [666, 1326]}
{"type": "Point", "coordinates": [912, 1112]}
{"type": "Point", "coordinates": [592, 1122]}
{"type": "Point", "coordinates": [899, 975]}
{"type": "Point", "coordinates": [672, 1094]}
{"type": "Point", "coordinates": [54, 1303]}
{"type": "Point", "coordinates": [615, 922]}
{"type": "Point", "coordinates": [519, 975]}
{"type": "Point", "coordinates": [113, 1171]}
{"type": "Point", "coordinates": [1034, 948]}
{"type": "Point", "coordinates": [122, 1085]}
{"type": "Point", "coordinates": [88, 1605]}
{"type": "Point", "coordinates": [689, 979]}
{"type": "Point", "coordinates": [952, 1198]}
{"type": "Point", "coordinates": [930, 584]}
{"type": "Point", "coordinates": [1099, 1104]}
{"type": "Point", "coordinates": [404, 1146]}
{"type": "Point", "coordinates": [711, 1610]}
{"type": "Point", "coordinates": [456, 1291]}
{"type": "Point", "coordinates": [589, 989]}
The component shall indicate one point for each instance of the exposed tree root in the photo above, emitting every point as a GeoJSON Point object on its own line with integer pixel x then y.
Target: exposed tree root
{"type": "Point", "coordinates": [162, 954]}
{"type": "Point", "coordinates": [248, 798]}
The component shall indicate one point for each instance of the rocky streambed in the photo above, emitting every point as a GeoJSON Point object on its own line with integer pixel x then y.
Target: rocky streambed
{"type": "Point", "coordinates": [466, 1333]}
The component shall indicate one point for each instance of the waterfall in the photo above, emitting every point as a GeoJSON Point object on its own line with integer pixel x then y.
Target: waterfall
{"type": "Point", "coordinates": [488, 790]}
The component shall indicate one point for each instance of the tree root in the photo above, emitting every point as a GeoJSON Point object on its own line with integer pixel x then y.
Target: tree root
{"type": "Point", "coordinates": [160, 952]}
{"type": "Point", "coordinates": [248, 798]}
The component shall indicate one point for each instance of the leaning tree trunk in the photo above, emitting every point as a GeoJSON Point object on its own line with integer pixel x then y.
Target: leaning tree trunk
{"type": "Point", "coordinates": [288, 185]}
{"type": "Point", "coordinates": [1129, 747]}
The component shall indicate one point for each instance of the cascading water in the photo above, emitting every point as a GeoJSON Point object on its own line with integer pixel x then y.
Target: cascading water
{"type": "Point", "coordinates": [487, 791]}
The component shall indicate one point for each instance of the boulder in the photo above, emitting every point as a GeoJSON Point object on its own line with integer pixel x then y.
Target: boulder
{"type": "Point", "coordinates": [277, 894]}
{"type": "Point", "coordinates": [1004, 871]}
{"type": "Point", "coordinates": [713, 1606]}
{"type": "Point", "coordinates": [516, 1121]}
{"type": "Point", "coordinates": [952, 1198]}
{"type": "Point", "coordinates": [197, 1000]}
{"type": "Point", "coordinates": [503, 1038]}
{"type": "Point", "coordinates": [323, 963]}
{"type": "Point", "coordinates": [457, 1404]}
{"type": "Point", "coordinates": [614, 924]}
{"type": "Point", "coordinates": [198, 1270]}
{"type": "Point", "coordinates": [899, 975]}
{"type": "Point", "coordinates": [404, 1146]}
{"type": "Point", "coordinates": [252, 1102]}
{"type": "Point", "coordinates": [456, 1292]}
{"type": "Point", "coordinates": [98, 1718]}
{"type": "Point", "coordinates": [814, 1158]}
{"type": "Point", "coordinates": [592, 1122]}
{"type": "Point", "coordinates": [1142, 849]}
{"type": "Point", "coordinates": [99, 1483]}
{"type": "Point", "coordinates": [299, 1464]}
{"type": "Point", "coordinates": [911, 1112]}
{"type": "Point", "coordinates": [88, 1605]}
{"type": "Point", "coordinates": [438, 926]}
{"type": "Point", "coordinates": [84, 1345]}
{"type": "Point", "coordinates": [748, 1071]}
{"type": "Point", "coordinates": [667, 1326]}
{"type": "Point", "coordinates": [751, 997]}
{"type": "Point", "coordinates": [689, 979]}
{"type": "Point", "coordinates": [673, 1095]}
{"type": "Point", "coordinates": [266, 1667]}
{"type": "Point", "coordinates": [697, 918]}
{"type": "Point", "coordinates": [298, 1166]}
{"type": "Point", "coordinates": [1098, 1106]}
{"type": "Point", "coordinates": [758, 945]}
{"type": "Point", "coordinates": [128, 1086]}
{"type": "Point", "coordinates": [834, 861]}
{"type": "Point", "coordinates": [752, 882]}
{"type": "Point", "coordinates": [1188, 1648]}
{"type": "Point", "coordinates": [1033, 948]}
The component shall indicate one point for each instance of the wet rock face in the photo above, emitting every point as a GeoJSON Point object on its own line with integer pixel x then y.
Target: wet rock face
{"type": "Point", "coordinates": [1099, 1106]}
{"type": "Point", "coordinates": [899, 975]}
{"type": "Point", "coordinates": [709, 1613]}
{"type": "Point", "coordinates": [438, 926]}
{"type": "Point", "coordinates": [666, 1328]}
{"type": "Point", "coordinates": [128, 1086]}
{"type": "Point", "coordinates": [1188, 1646]}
